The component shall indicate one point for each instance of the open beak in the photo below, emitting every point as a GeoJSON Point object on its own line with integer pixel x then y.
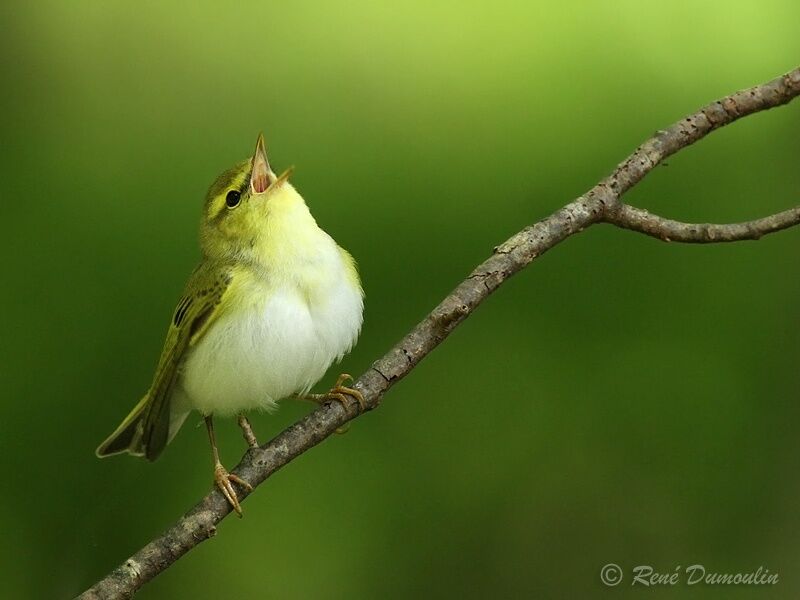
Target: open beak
{"type": "Point", "coordinates": [261, 175]}
{"type": "Point", "coordinates": [283, 176]}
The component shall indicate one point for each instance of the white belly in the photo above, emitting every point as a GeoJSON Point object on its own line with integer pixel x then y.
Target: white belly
{"type": "Point", "coordinates": [270, 346]}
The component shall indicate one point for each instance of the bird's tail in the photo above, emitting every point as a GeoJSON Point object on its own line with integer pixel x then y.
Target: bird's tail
{"type": "Point", "coordinates": [128, 436]}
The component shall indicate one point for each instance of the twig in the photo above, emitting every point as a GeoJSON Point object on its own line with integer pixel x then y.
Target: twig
{"type": "Point", "coordinates": [600, 204]}
{"type": "Point", "coordinates": [636, 219]}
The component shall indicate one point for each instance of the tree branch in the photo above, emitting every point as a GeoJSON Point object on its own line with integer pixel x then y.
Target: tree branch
{"type": "Point", "coordinates": [600, 204]}
{"type": "Point", "coordinates": [667, 230]}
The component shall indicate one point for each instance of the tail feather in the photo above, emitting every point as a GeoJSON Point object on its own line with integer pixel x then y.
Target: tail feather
{"type": "Point", "coordinates": [128, 436]}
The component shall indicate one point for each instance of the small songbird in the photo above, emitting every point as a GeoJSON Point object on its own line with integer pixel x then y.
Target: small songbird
{"type": "Point", "coordinates": [272, 304]}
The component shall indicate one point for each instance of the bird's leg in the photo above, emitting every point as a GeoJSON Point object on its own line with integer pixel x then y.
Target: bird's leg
{"type": "Point", "coordinates": [339, 392]}
{"type": "Point", "coordinates": [247, 432]}
{"type": "Point", "coordinates": [222, 478]}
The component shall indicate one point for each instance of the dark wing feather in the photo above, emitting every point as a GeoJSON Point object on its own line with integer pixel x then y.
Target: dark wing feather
{"type": "Point", "coordinates": [194, 313]}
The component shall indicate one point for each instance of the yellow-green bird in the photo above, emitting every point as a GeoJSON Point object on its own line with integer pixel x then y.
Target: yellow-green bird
{"type": "Point", "coordinates": [272, 304]}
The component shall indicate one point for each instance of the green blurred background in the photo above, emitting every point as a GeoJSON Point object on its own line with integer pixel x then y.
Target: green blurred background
{"type": "Point", "coordinates": [622, 400]}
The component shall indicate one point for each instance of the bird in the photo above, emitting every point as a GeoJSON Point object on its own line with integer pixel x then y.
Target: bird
{"type": "Point", "coordinates": [272, 304]}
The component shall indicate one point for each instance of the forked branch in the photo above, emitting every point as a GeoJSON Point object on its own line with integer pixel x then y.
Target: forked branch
{"type": "Point", "coordinates": [600, 204]}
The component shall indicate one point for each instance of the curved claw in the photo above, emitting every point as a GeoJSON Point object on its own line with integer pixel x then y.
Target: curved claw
{"type": "Point", "coordinates": [340, 390]}
{"type": "Point", "coordinates": [223, 479]}
{"type": "Point", "coordinates": [342, 378]}
{"type": "Point", "coordinates": [339, 393]}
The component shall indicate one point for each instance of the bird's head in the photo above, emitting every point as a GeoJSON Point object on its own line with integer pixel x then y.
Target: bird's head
{"type": "Point", "coordinates": [241, 204]}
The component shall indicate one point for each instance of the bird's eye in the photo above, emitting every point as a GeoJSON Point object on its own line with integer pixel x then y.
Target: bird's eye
{"type": "Point", "coordinates": [232, 198]}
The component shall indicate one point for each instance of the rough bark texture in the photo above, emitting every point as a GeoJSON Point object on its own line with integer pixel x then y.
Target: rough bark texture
{"type": "Point", "coordinates": [600, 204]}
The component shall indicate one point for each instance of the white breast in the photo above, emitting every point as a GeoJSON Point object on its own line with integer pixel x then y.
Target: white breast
{"type": "Point", "coordinates": [278, 341]}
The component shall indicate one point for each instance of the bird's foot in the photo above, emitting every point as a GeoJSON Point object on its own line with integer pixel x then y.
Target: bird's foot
{"type": "Point", "coordinates": [223, 481]}
{"type": "Point", "coordinates": [339, 392]}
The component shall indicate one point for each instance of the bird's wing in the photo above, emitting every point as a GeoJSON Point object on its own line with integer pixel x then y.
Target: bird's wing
{"type": "Point", "coordinates": [145, 431]}
{"type": "Point", "coordinates": [196, 311]}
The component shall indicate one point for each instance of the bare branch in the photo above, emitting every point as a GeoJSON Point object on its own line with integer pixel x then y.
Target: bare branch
{"type": "Point", "coordinates": [600, 204]}
{"type": "Point", "coordinates": [637, 219]}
